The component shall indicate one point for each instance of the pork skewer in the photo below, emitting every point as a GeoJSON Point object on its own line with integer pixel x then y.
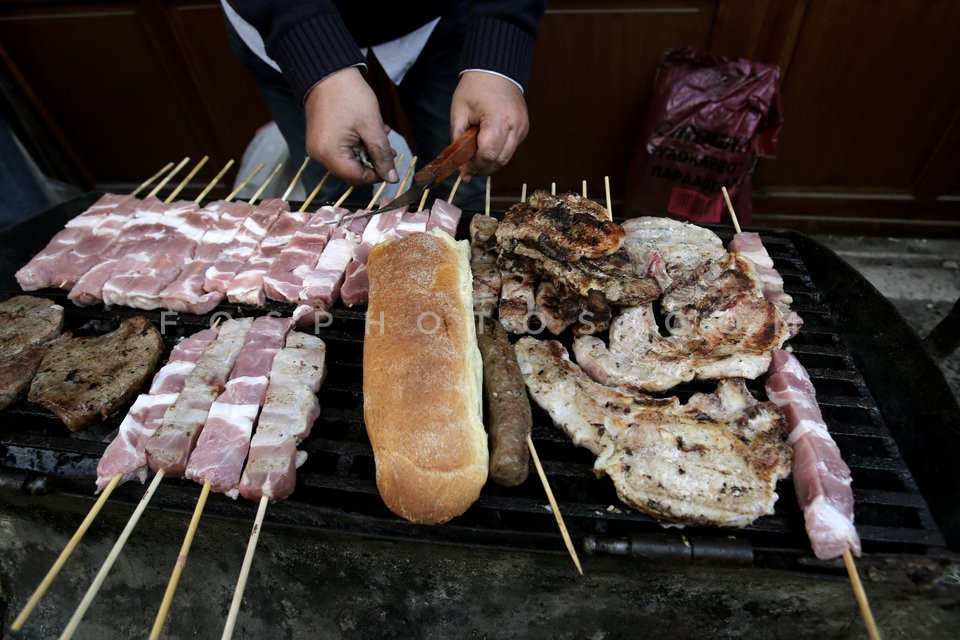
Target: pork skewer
{"type": "Point", "coordinates": [749, 245]}
{"type": "Point", "coordinates": [106, 488]}
{"type": "Point", "coordinates": [46, 269]}
{"type": "Point", "coordinates": [289, 411]}
{"type": "Point", "coordinates": [821, 477]}
{"type": "Point", "coordinates": [227, 420]}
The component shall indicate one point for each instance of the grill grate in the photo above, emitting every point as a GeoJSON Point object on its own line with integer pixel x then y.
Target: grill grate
{"type": "Point", "coordinates": [337, 491]}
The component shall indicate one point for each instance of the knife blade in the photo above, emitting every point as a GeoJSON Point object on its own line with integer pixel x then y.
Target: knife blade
{"type": "Point", "coordinates": [449, 160]}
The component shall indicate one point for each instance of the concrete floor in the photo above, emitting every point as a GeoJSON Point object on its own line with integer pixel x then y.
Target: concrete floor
{"type": "Point", "coordinates": [315, 584]}
{"type": "Point", "coordinates": [921, 276]}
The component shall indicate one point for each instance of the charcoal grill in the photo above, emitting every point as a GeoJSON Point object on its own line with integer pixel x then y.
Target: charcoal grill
{"type": "Point", "coordinates": [885, 401]}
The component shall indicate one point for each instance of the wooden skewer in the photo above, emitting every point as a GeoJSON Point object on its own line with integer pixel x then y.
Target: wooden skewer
{"type": "Point", "coordinates": [150, 180]}
{"type": "Point", "coordinates": [233, 194]}
{"type": "Point", "coordinates": [188, 178]}
{"type": "Point", "coordinates": [423, 200]}
{"type": "Point", "coordinates": [861, 595]}
{"type": "Point", "coordinates": [553, 188]}
{"type": "Point", "coordinates": [377, 194]}
{"type": "Point", "coordinates": [296, 179]}
{"type": "Point", "coordinates": [256, 196]}
{"type": "Point", "coordinates": [584, 188]}
{"type": "Point", "coordinates": [606, 186]}
{"type": "Point", "coordinates": [313, 194]}
{"type": "Point", "coordinates": [111, 558]}
{"type": "Point", "coordinates": [553, 505]}
{"type": "Point", "coordinates": [215, 181]}
{"type": "Point", "coordinates": [169, 177]}
{"type": "Point", "coordinates": [456, 185]}
{"type": "Point", "coordinates": [486, 206]}
{"type": "Point", "coordinates": [523, 193]}
{"type": "Point", "coordinates": [383, 185]}
{"type": "Point", "coordinates": [733, 215]}
{"type": "Point", "coordinates": [71, 545]}
{"type": "Point", "coordinates": [344, 196]}
{"type": "Point", "coordinates": [406, 175]}
{"type": "Point", "coordinates": [181, 562]}
{"type": "Point", "coordinates": [245, 570]}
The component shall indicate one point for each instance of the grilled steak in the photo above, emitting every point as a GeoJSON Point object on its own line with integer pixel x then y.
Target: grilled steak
{"type": "Point", "coordinates": [27, 321]}
{"type": "Point", "coordinates": [713, 461]}
{"type": "Point", "coordinates": [613, 275]}
{"type": "Point", "coordinates": [83, 379]}
{"type": "Point", "coordinates": [16, 372]}
{"type": "Point", "coordinates": [566, 228]}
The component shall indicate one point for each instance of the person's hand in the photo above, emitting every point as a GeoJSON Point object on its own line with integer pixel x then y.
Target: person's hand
{"type": "Point", "coordinates": [497, 105]}
{"type": "Point", "coordinates": [342, 112]}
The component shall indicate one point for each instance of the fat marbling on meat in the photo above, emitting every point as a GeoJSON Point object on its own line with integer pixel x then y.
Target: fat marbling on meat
{"type": "Point", "coordinates": [821, 477]}
{"type": "Point", "coordinates": [170, 446]}
{"type": "Point", "coordinates": [126, 455]}
{"type": "Point", "coordinates": [289, 411]}
{"type": "Point", "coordinates": [225, 439]}
{"type": "Point", "coordinates": [713, 461]}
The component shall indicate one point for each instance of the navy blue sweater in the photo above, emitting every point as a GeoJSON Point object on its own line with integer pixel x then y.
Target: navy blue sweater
{"type": "Point", "coordinates": [311, 40]}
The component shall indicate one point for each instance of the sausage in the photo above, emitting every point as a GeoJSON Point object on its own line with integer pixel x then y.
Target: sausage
{"type": "Point", "coordinates": [508, 407]}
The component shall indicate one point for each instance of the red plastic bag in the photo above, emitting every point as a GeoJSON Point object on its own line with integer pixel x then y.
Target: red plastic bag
{"type": "Point", "coordinates": [709, 119]}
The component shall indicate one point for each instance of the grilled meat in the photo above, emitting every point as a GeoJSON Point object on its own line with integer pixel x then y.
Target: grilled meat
{"type": "Point", "coordinates": [483, 264]}
{"type": "Point", "coordinates": [26, 321]}
{"type": "Point", "coordinates": [713, 461]}
{"type": "Point", "coordinates": [720, 326]}
{"type": "Point", "coordinates": [566, 228]}
{"type": "Point", "coordinates": [682, 246]}
{"type": "Point", "coordinates": [83, 379]}
{"type": "Point", "coordinates": [613, 275]}
{"type": "Point", "coordinates": [18, 371]}
{"type": "Point", "coordinates": [583, 409]}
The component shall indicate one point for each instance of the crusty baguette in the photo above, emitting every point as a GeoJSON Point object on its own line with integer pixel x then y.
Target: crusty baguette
{"type": "Point", "coordinates": [422, 378]}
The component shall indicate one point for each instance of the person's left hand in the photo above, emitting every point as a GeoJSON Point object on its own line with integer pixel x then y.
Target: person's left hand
{"type": "Point", "coordinates": [497, 105]}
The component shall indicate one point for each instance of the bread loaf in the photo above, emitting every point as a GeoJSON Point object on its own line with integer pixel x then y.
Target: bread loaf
{"type": "Point", "coordinates": [422, 378]}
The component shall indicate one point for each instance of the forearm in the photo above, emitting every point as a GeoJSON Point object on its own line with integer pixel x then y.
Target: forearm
{"type": "Point", "coordinates": [500, 37]}
{"type": "Point", "coordinates": [309, 40]}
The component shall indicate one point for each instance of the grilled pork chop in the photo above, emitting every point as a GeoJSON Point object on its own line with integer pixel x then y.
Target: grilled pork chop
{"type": "Point", "coordinates": [83, 379]}
{"type": "Point", "coordinates": [26, 321]}
{"type": "Point", "coordinates": [720, 326]}
{"type": "Point", "coordinates": [566, 228]}
{"type": "Point", "coordinates": [682, 246]}
{"type": "Point", "coordinates": [713, 461]}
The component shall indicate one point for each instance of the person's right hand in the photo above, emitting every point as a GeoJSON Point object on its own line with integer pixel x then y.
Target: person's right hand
{"type": "Point", "coordinates": [342, 112]}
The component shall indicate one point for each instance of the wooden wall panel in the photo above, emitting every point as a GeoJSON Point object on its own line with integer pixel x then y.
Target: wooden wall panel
{"type": "Point", "coordinates": [591, 79]}
{"type": "Point", "coordinates": [866, 99]}
{"type": "Point", "coordinates": [99, 76]}
{"type": "Point", "coordinates": [229, 95]}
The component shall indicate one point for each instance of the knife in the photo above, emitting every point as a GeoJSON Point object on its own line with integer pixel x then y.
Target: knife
{"type": "Point", "coordinates": [449, 160]}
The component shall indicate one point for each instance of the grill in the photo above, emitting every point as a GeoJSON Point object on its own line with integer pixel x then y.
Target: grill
{"type": "Point", "coordinates": [849, 342]}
